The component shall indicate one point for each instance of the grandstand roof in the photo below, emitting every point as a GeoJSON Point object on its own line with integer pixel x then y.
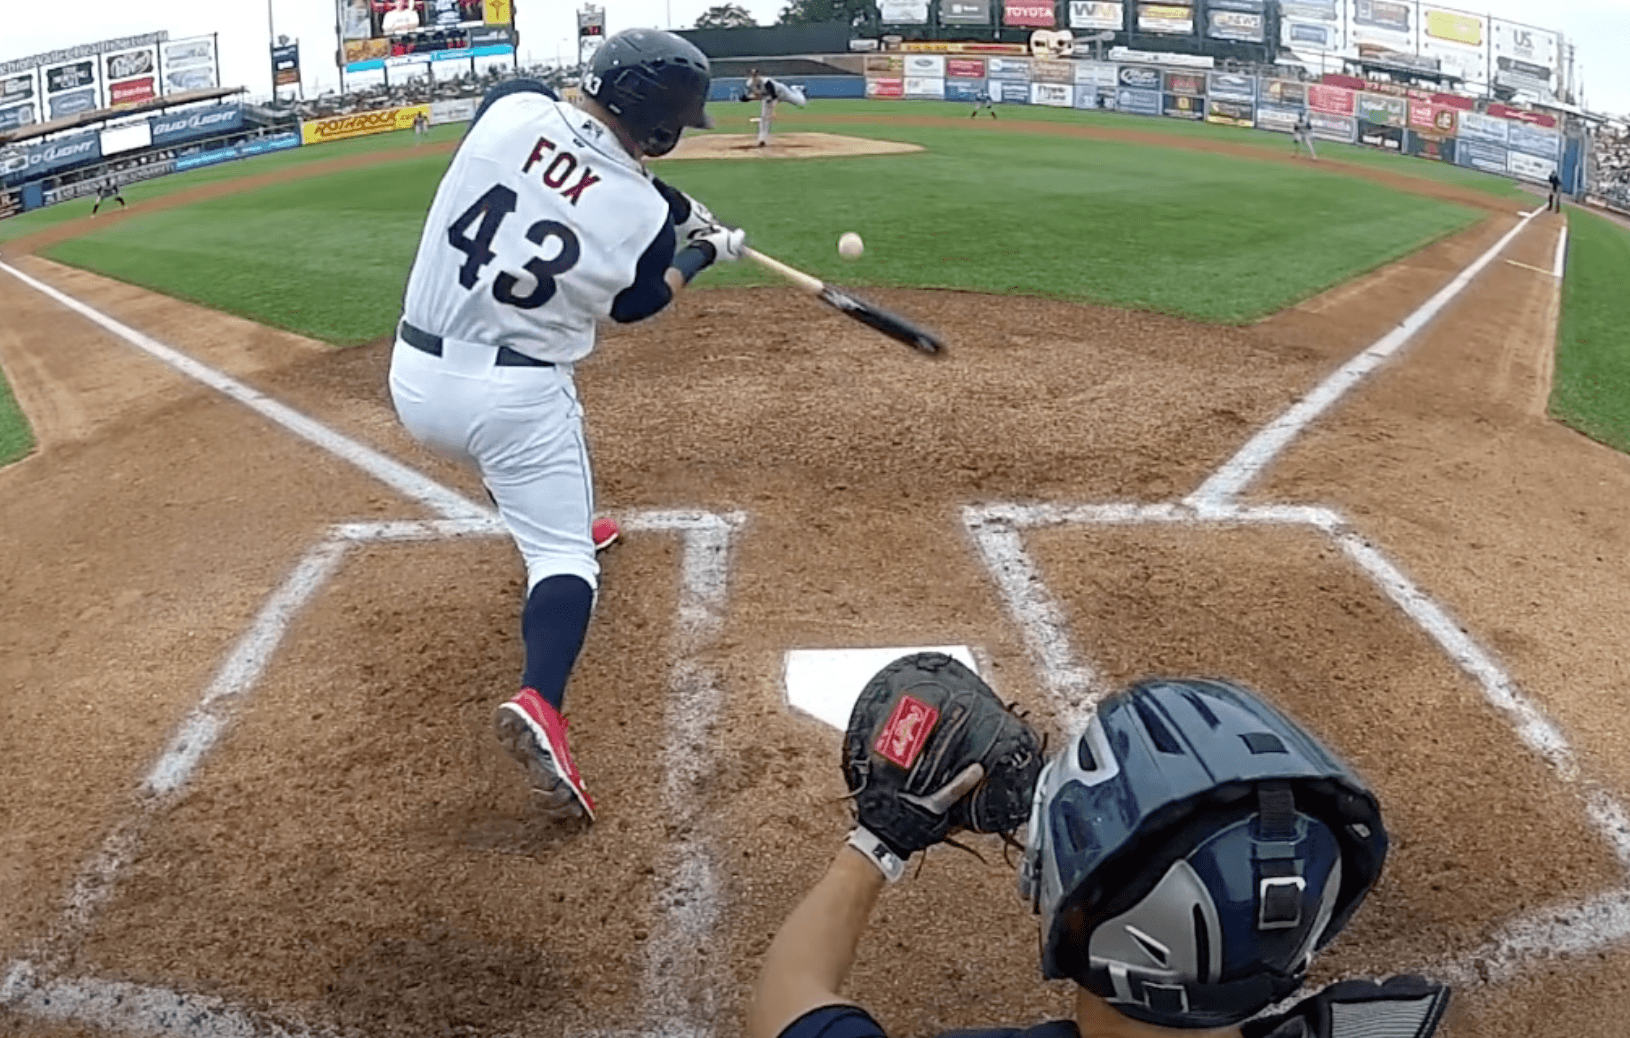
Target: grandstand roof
{"type": "Point", "coordinates": [101, 115]}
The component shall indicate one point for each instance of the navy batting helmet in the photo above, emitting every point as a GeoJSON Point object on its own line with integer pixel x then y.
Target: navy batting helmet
{"type": "Point", "coordinates": [1191, 849]}
{"type": "Point", "coordinates": [654, 82]}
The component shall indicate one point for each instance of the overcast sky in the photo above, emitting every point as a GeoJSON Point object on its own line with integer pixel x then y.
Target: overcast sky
{"type": "Point", "coordinates": [1599, 28]}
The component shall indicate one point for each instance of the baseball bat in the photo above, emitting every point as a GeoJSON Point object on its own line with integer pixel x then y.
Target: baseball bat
{"type": "Point", "coordinates": [892, 325]}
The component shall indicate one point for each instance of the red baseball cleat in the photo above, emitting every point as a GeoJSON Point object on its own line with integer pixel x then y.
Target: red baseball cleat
{"type": "Point", "coordinates": [605, 533]}
{"type": "Point", "coordinates": [534, 733]}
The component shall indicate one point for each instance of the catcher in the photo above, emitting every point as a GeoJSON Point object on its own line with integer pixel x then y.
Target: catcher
{"type": "Point", "coordinates": [1188, 853]}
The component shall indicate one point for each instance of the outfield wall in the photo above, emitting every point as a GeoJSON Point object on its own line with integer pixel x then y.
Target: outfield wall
{"type": "Point", "coordinates": [1443, 127]}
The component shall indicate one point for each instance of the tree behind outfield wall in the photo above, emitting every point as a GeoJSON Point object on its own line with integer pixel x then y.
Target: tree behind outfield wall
{"type": "Point", "coordinates": [725, 16]}
{"type": "Point", "coordinates": [853, 12]}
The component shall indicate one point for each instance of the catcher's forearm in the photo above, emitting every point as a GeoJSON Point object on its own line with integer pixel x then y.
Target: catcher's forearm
{"type": "Point", "coordinates": [812, 952]}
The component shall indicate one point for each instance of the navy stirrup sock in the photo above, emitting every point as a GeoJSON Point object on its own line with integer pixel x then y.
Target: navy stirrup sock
{"type": "Point", "coordinates": [553, 624]}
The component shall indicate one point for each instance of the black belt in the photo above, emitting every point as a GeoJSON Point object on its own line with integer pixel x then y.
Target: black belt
{"type": "Point", "coordinates": [420, 339]}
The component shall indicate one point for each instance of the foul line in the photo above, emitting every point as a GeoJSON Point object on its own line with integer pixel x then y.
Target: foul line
{"type": "Point", "coordinates": [406, 481]}
{"type": "Point", "coordinates": [1559, 265]}
{"type": "Point", "coordinates": [1259, 452]}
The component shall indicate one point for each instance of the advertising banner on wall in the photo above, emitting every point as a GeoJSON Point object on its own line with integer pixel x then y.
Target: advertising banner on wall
{"type": "Point", "coordinates": [903, 12]}
{"type": "Point", "coordinates": [1095, 73]}
{"type": "Point", "coordinates": [965, 68]}
{"type": "Point", "coordinates": [1140, 77]}
{"type": "Point", "coordinates": [1533, 141]}
{"type": "Point", "coordinates": [885, 87]}
{"type": "Point", "coordinates": [1098, 15]}
{"type": "Point", "coordinates": [286, 65]}
{"type": "Point", "coordinates": [932, 65]}
{"type": "Point", "coordinates": [1166, 19]}
{"type": "Point", "coordinates": [1383, 110]}
{"type": "Point", "coordinates": [131, 76]}
{"type": "Point", "coordinates": [50, 156]}
{"type": "Point", "coordinates": [71, 77]}
{"type": "Point", "coordinates": [1490, 158]}
{"type": "Point", "coordinates": [18, 88]}
{"type": "Point", "coordinates": [1475, 127]}
{"type": "Point", "coordinates": [885, 65]}
{"type": "Point", "coordinates": [460, 110]}
{"type": "Point", "coordinates": [1381, 135]}
{"type": "Point", "coordinates": [13, 116]}
{"type": "Point", "coordinates": [193, 123]}
{"type": "Point", "coordinates": [1189, 84]}
{"type": "Point", "coordinates": [1530, 167]}
{"type": "Point", "coordinates": [1458, 40]}
{"type": "Point", "coordinates": [1522, 115]}
{"type": "Point", "coordinates": [1284, 92]}
{"type": "Point", "coordinates": [1525, 58]}
{"type": "Point", "coordinates": [1383, 23]}
{"type": "Point", "coordinates": [1180, 106]}
{"type": "Point", "coordinates": [1053, 95]}
{"type": "Point", "coordinates": [1009, 91]}
{"type": "Point", "coordinates": [1427, 146]}
{"type": "Point", "coordinates": [964, 89]}
{"type": "Point", "coordinates": [1226, 86]}
{"type": "Point", "coordinates": [1279, 118]}
{"type": "Point", "coordinates": [1230, 113]}
{"type": "Point", "coordinates": [1429, 118]}
{"type": "Point", "coordinates": [1333, 127]}
{"type": "Point", "coordinates": [964, 12]}
{"type": "Point", "coordinates": [188, 64]}
{"type": "Point", "coordinates": [1331, 100]}
{"type": "Point", "coordinates": [925, 87]}
{"type": "Point", "coordinates": [1028, 14]}
{"type": "Point", "coordinates": [1138, 102]}
{"type": "Point", "coordinates": [1244, 26]}
{"type": "Point", "coordinates": [1052, 70]}
{"type": "Point", "coordinates": [1017, 69]}
{"type": "Point", "coordinates": [363, 124]}
{"type": "Point", "coordinates": [71, 102]}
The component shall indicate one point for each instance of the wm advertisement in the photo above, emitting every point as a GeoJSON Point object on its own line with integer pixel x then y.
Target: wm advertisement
{"type": "Point", "coordinates": [361, 124]}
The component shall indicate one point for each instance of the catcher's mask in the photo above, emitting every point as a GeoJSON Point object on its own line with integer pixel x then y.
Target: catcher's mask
{"type": "Point", "coordinates": [654, 82]}
{"type": "Point", "coordinates": [1190, 851]}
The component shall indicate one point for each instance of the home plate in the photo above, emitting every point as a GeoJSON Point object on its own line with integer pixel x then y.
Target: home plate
{"type": "Point", "coordinates": [824, 683]}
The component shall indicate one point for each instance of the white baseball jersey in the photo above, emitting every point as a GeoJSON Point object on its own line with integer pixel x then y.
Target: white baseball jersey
{"type": "Point", "coordinates": [538, 225]}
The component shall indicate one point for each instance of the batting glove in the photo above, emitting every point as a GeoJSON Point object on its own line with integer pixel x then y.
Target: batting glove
{"type": "Point", "coordinates": [728, 243]}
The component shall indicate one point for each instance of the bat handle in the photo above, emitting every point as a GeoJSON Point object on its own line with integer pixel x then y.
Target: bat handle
{"type": "Point", "coordinates": [812, 285]}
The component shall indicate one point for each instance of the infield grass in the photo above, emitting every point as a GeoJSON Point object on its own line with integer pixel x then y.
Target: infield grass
{"type": "Point", "coordinates": [16, 438]}
{"type": "Point", "coordinates": [1209, 237]}
{"type": "Point", "coordinates": [1593, 346]}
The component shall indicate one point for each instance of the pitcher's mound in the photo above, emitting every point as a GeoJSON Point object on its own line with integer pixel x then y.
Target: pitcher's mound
{"type": "Point", "coordinates": [783, 146]}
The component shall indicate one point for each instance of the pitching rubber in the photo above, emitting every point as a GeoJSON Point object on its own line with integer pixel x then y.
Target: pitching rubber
{"type": "Point", "coordinates": [524, 740]}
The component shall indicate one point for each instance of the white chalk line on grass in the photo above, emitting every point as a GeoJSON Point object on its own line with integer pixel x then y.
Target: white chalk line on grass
{"type": "Point", "coordinates": [1559, 265]}
{"type": "Point", "coordinates": [410, 483]}
{"type": "Point", "coordinates": [1259, 452]}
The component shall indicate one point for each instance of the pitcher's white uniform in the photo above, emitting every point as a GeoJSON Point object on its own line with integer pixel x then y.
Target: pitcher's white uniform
{"type": "Point", "coordinates": [542, 225]}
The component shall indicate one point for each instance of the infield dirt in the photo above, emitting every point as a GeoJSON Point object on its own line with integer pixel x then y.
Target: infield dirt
{"type": "Point", "coordinates": [356, 852]}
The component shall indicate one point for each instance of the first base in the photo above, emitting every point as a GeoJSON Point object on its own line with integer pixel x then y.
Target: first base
{"type": "Point", "coordinates": [824, 683]}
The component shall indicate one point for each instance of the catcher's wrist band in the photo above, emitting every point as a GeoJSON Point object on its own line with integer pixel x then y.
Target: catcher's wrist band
{"type": "Point", "coordinates": [891, 865]}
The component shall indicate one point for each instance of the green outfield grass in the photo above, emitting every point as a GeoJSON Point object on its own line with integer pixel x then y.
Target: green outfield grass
{"type": "Point", "coordinates": [1591, 390]}
{"type": "Point", "coordinates": [136, 193]}
{"type": "Point", "coordinates": [16, 439]}
{"type": "Point", "coordinates": [1208, 237]}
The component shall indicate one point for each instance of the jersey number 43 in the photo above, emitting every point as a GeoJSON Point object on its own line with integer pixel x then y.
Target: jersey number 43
{"type": "Point", "coordinates": [486, 216]}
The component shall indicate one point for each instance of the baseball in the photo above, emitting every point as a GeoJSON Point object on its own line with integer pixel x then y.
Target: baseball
{"type": "Point", "coordinates": [850, 246]}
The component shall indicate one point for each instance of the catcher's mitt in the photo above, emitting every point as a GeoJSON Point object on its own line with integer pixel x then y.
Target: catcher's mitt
{"type": "Point", "coordinates": [931, 750]}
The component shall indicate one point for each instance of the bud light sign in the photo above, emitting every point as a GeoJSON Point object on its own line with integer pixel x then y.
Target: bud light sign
{"type": "Point", "coordinates": [54, 155]}
{"type": "Point", "coordinates": [195, 123]}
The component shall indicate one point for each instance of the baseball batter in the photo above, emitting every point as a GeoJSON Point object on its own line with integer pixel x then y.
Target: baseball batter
{"type": "Point", "coordinates": [546, 222]}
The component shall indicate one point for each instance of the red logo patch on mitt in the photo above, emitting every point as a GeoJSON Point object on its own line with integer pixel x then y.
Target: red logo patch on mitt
{"type": "Point", "coordinates": [908, 728]}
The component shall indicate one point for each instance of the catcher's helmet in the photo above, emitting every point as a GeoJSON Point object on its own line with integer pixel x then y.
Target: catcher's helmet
{"type": "Point", "coordinates": [1191, 849]}
{"type": "Point", "coordinates": [654, 82]}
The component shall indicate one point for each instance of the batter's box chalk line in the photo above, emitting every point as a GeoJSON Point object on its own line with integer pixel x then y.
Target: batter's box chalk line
{"type": "Point", "coordinates": [1074, 686]}
{"type": "Point", "coordinates": [674, 972]}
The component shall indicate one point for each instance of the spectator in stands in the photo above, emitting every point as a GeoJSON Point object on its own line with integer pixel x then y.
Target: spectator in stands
{"type": "Point", "coordinates": [401, 18]}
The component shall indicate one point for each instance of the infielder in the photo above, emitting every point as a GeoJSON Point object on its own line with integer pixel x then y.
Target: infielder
{"type": "Point", "coordinates": [1188, 853]}
{"type": "Point", "coordinates": [1303, 135]}
{"type": "Point", "coordinates": [767, 92]}
{"type": "Point", "coordinates": [982, 103]}
{"type": "Point", "coordinates": [109, 190]}
{"type": "Point", "coordinates": [546, 222]}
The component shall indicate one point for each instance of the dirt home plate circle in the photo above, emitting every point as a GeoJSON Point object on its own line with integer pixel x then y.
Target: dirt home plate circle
{"type": "Point", "coordinates": [850, 246]}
